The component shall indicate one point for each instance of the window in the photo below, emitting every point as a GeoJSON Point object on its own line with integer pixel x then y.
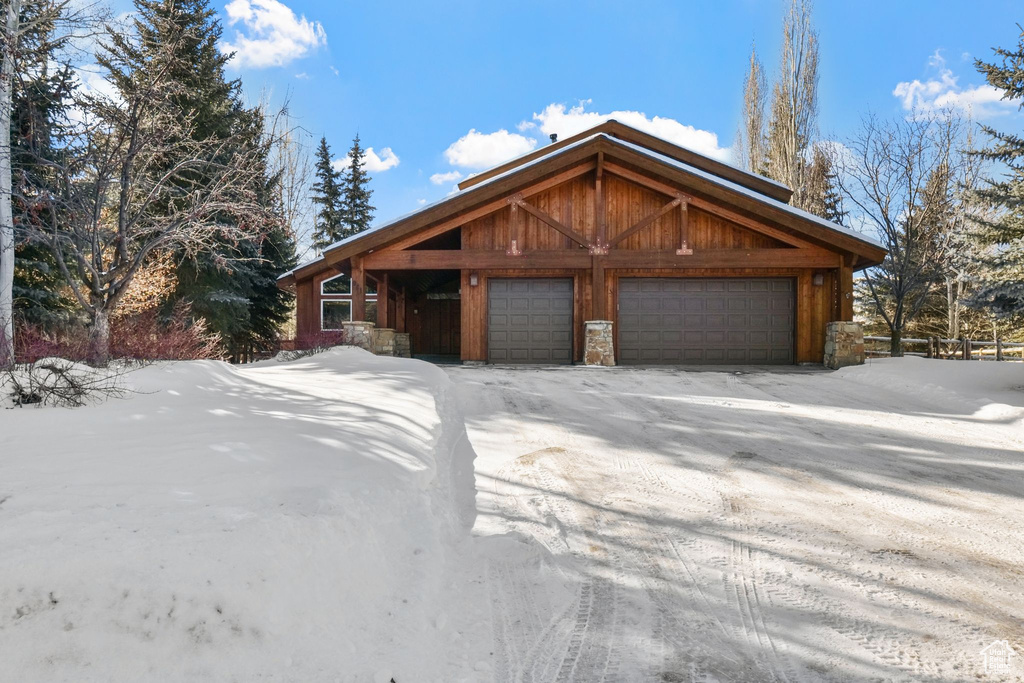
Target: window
{"type": "Point", "coordinates": [336, 302]}
{"type": "Point", "coordinates": [334, 313]}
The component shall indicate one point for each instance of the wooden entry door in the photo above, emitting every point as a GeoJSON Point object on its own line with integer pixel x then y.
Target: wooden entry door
{"type": "Point", "coordinates": [435, 326]}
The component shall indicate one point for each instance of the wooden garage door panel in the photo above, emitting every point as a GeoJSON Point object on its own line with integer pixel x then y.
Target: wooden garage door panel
{"type": "Point", "coordinates": [529, 320]}
{"type": "Point", "coordinates": [706, 321]}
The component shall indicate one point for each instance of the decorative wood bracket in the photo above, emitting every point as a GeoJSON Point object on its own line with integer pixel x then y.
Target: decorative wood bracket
{"type": "Point", "coordinates": [545, 218]}
{"type": "Point", "coordinates": [599, 249]}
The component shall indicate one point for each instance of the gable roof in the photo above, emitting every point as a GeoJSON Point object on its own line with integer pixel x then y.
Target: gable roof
{"type": "Point", "coordinates": [558, 157]}
{"type": "Point", "coordinates": [621, 131]}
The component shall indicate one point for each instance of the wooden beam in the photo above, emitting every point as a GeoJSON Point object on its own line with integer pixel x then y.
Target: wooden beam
{"type": "Point", "coordinates": [485, 259]}
{"type": "Point", "coordinates": [515, 227]}
{"type": "Point", "coordinates": [400, 310]}
{"type": "Point", "coordinates": [803, 318]}
{"type": "Point", "coordinates": [557, 225]}
{"type": "Point", "coordinates": [358, 289]}
{"type": "Point", "coordinates": [600, 215]}
{"type": "Point", "coordinates": [723, 258]}
{"type": "Point", "coordinates": [645, 222]}
{"type": "Point", "coordinates": [684, 231]}
{"type": "Point", "coordinates": [599, 285]}
{"type": "Point", "coordinates": [845, 292]}
{"type": "Point", "coordinates": [491, 207]}
{"type": "Point", "coordinates": [710, 207]}
{"type": "Point", "coordinates": [383, 300]}
{"type": "Point", "coordinates": [476, 259]}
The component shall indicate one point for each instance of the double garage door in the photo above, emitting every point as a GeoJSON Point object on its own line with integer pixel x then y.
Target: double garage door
{"type": "Point", "coordinates": [660, 321]}
{"type": "Point", "coordinates": [706, 321]}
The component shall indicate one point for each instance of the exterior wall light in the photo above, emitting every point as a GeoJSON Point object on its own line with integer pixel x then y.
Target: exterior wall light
{"type": "Point", "coordinates": [818, 280]}
{"type": "Point", "coordinates": [473, 280]}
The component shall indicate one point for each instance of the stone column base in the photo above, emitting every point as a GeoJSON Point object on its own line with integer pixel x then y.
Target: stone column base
{"type": "Point", "coordinates": [359, 333]}
{"type": "Point", "coordinates": [383, 341]}
{"type": "Point", "coordinates": [599, 344]}
{"type": "Point", "coordinates": [844, 345]}
{"type": "Point", "coordinates": [403, 346]}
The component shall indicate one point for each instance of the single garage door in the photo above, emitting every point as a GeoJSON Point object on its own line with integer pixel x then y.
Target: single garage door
{"type": "Point", "coordinates": [706, 321]}
{"type": "Point", "coordinates": [529, 320]}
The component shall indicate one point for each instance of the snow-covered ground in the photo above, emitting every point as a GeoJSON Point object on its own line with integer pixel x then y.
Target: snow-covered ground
{"type": "Point", "coordinates": [310, 521]}
{"type": "Point", "coordinates": [797, 525]}
{"type": "Point", "coordinates": [299, 521]}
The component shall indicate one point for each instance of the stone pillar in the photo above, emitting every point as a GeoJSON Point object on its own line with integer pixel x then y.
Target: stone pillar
{"type": "Point", "coordinates": [403, 347]}
{"type": "Point", "coordinates": [359, 333]}
{"type": "Point", "coordinates": [599, 348]}
{"type": "Point", "coordinates": [844, 345]}
{"type": "Point", "coordinates": [383, 341]}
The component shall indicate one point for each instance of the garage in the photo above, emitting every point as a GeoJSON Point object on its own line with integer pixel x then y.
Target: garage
{"type": "Point", "coordinates": [529, 320]}
{"type": "Point", "coordinates": [706, 321]}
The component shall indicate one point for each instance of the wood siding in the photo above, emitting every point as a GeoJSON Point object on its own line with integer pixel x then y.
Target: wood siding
{"type": "Point", "coordinates": [546, 231]}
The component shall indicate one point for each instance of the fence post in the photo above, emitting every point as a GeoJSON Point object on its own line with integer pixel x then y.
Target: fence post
{"type": "Point", "coordinates": [967, 349]}
{"type": "Point", "coordinates": [999, 348]}
{"type": "Point", "coordinates": [930, 352]}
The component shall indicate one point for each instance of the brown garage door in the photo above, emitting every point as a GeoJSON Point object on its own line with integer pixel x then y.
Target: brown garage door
{"type": "Point", "coordinates": [529, 320]}
{"type": "Point", "coordinates": [706, 321]}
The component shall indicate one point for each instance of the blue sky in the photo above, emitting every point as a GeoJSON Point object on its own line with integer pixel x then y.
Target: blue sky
{"type": "Point", "coordinates": [415, 78]}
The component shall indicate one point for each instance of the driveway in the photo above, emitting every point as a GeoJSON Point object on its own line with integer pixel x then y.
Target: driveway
{"type": "Point", "coordinates": [743, 526]}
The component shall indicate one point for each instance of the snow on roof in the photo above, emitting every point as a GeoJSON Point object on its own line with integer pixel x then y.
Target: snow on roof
{"type": "Point", "coordinates": [711, 177]}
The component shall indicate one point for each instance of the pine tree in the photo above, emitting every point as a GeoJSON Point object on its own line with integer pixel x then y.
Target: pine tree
{"type": "Point", "coordinates": [328, 227]}
{"type": "Point", "coordinates": [358, 212]}
{"type": "Point", "coordinates": [1003, 290]}
{"type": "Point", "coordinates": [39, 94]}
{"type": "Point", "coordinates": [823, 197]}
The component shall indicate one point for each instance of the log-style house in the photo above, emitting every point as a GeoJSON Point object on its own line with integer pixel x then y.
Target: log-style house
{"type": "Point", "coordinates": [693, 261]}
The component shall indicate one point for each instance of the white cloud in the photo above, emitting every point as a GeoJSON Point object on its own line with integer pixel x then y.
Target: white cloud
{"type": "Point", "coordinates": [273, 35]}
{"type": "Point", "coordinates": [421, 202]}
{"type": "Point", "coordinates": [375, 163]}
{"type": "Point", "coordinates": [442, 178]}
{"type": "Point", "coordinates": [483, 150]}
{"type": "Point", "coordinates": [335, 71]}
{"type": "Point", "coordinates": [555, 118]}
{"type": "Point", "coordinates": [944, 92]}
{"type": "Point", "coordinates": [302, 76]}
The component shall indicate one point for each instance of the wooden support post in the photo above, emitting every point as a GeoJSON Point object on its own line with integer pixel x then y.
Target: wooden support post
{"type": "Point", "coordinates": [358, 289]}
{"type": "Point", "coordinates": [515, 224]}
{"type": "Point", "coordinates": [601, 238]}
{"type": "Point", "coordinates": [684, 229]}
{"type": "Point", "coordinates": [383, 302]}
{"type": "Point", "coordinates": [804, 296]}
{"type": "Point", "coordinates": [999, 348]}
{"type": "Point", "coordinates": [930, 351]}
{"type": "Point", "coordinates": [845, 291]}
{"type": "Point", "coordinates": [967, 349]}
{"type": "Point", "coordinates": [599, 294]}
{"type": "Point", "coordinates": [400, 310]}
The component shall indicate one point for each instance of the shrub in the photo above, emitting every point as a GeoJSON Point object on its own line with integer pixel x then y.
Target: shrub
{"type": "Point", "coordinates": [142, 336]}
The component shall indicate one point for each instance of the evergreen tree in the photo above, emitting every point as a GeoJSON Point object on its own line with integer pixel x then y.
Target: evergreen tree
{"type": "Point", "coordinates": [823, 197]}
{"type": "Point", "coordinates": [38, 108]}
{"type": "Point", "coordinates": [358, 212]}
{"type": "Point", "coordinates": [328, 227]}
{"type": "Point", "coordinates": [1003, 290]}
{"type": "Point", "coordinates": [225, 283]}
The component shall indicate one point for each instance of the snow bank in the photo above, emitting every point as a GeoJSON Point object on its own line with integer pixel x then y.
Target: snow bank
{"type": "Point", "coordinates": [989, 390]}
{"type": "Point", "coordinates": [283, 522]}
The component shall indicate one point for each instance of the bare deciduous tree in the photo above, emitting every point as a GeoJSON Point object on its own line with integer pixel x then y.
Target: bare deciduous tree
{"type": "Point", "coordinates": [291, 163]}
{"type": "Point", "coordinates": [752, 127]}
{"type": "Point", "coordinates": [901, 177]}
{"type": "Point", "coordinates": [135, 181]}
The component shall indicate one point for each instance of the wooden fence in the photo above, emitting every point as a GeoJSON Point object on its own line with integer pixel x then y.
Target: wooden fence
{"type": "Point", "coordinates": [951, 349]}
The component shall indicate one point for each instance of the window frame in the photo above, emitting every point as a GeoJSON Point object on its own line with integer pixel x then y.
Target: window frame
{"type": "Point", "coordinates": [370, 297]}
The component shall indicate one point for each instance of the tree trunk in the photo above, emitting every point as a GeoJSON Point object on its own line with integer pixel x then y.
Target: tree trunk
{"type": "Point", "coordinates": [99, 338]}
{"type": "Point", "coordinates": [896, 343]}
{"type": "Point", "coordinates": [8, 44]}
